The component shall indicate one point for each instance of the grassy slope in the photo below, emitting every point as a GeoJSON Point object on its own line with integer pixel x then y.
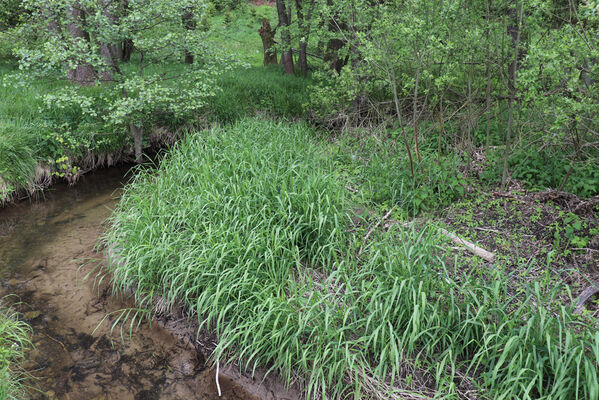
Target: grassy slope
{"type": "Point", "coordinates": [263, 245]}
{"type": "Point", "coordinates": [13, 338]}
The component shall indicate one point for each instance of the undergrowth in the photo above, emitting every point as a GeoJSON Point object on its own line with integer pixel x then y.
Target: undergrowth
{"type": "Point", "coordinates": [382, 170]}
{"type": "Point", "coordinates": [249, 226]}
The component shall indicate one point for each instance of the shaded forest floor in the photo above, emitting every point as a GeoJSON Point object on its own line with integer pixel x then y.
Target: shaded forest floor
{"type": "Point", "coordinates": [547, 236]}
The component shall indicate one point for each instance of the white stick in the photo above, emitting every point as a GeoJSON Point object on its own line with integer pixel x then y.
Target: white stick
{"type": "Point", "coordinates": [217, 383]}
{"type": "Point", "coordinates": [488, 256]}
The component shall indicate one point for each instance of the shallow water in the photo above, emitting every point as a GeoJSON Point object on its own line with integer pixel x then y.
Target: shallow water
{"type": "Point", "coordinates": [43, 245]}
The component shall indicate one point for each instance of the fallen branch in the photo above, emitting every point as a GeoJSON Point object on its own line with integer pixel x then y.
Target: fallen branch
{"type": "Point", "coordinates": [585, 296]}
{"type": "Point", "coordinates": [484, 254]}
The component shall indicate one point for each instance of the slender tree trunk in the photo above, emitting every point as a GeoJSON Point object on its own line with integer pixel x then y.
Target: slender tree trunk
{"type": "Point", "coordinates": [284, 22]}
{"type": "Point", "coordinates": [127, 50]}
{"type": "Point", "coordinates": [514, 30]}
{"type": "Point", "coordinates": [488, 71]}
{"type": "Point", "coordinates": [126, 47]}
{"type": "Point", "coordinates": [303, 58]}
{"type": "Point", "coordinates": [470, 123]}
{"type": "Point", "coordinates": [83, 73]}
{"type": "Point", "coordinates": [440, 130]}
{"type": "Point", "coordinates": [399, 119]}
{"type": "Point", "coordinates": [304, 27]}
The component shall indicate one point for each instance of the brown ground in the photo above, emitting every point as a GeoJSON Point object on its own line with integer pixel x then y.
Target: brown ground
{"type": "Point", "coordinates": [549, 235]}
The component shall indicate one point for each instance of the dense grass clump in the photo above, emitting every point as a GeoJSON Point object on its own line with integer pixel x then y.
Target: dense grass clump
{"type": "Point", "coordinates": [259, 197]}
{"type": "Point", "coordinates": [13, 340]}
{"type": "Point", "coordinates": [247, 226]}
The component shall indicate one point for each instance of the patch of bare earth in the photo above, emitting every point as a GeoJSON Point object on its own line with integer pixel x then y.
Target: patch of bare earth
{"type": "Point", "coordinates": [551, 236]}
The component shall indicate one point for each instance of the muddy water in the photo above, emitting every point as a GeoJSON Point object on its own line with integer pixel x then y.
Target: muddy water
{"type": "Point", "coordinates": [43, 244]}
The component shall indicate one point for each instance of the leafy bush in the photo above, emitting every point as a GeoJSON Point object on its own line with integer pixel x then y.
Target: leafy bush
{"type": "Point", "coordinates": [221, 5]}
{"type": "Point", "coordinates": [383, 170]}
{"type": "Point", "coordinates": [540, 170]}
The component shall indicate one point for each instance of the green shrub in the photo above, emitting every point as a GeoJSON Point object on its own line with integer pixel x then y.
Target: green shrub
{"type": "Point", "coordinates": [382, 168]}
{"type": "Point", "coordinates": [221, 5]}
{"type": "Point", "coordinates": [540, 170]}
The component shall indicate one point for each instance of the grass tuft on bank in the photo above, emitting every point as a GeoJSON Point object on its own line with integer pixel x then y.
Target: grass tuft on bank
{"type": "Point", "coordinates": [250, 227]}
{"type": "Point", "coordinates": [14, 338]}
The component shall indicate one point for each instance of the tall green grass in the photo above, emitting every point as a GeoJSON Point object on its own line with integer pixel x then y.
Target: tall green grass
{"type": "Point", "coordinates": [248, 226]}
{"type": "Point", "coordinates": [258, 91]}
{"type": "Point", "coordinates": [21, 130]}
{"type": "Point", "coordinates": [13, 340]}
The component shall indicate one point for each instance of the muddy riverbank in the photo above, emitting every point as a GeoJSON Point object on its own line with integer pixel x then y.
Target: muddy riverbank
{"type": "Point", "coordinates": [43, 245]}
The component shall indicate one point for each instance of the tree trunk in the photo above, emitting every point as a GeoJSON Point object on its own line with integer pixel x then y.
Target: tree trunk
{"type": "Point", "coordinates": [268, 42]}
{"type": "Point", "coordinates": [106, 52]}
{"type": "Point", "coordinates": [84, 73]}
{"type": "Point", "coordinates": [303, 58]}
{"type": "Point", "coordinates": [127, 50]}
{"type": "Point", "coordinates": [109, 50]}
{"type": "Point", "coordinates": [392, 78]}
{"type": "Point", "coordinates": [284, 22]}
{"type": "Point", "coordinates": [137, 133]}
{"type": "Point", "coordinates": [488, 71]}
{"type": "Point", "coordinates": [303, 20]}
{"type": "Point", "coordinates": [126, 46]}
{"type": "Point", "coordinates": [332, 54]}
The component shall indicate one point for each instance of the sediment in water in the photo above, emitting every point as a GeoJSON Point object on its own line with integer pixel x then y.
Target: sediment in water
{"type": "Point", "coordinates": [45, 249]}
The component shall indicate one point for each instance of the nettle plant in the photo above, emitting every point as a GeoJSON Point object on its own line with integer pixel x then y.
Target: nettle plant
{"type": "Point", "coordinates": [147, 57]}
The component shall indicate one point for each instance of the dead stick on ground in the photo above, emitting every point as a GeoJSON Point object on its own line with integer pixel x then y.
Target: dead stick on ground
{"type": "Point", "coordinates": [60, 343]}
{"type": "Point", "coordinates": [486, 255]}
{"type": "Point", "coordinates": [374, 227]}
{"type": "Point", "coordinates": [584, 296]}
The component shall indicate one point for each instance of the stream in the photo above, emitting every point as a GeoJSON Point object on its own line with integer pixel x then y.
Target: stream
{"type": "Point", "coordinates": [46, 246]}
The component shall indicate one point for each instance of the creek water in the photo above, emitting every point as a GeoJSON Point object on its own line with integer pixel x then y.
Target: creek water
{"type": "Point", "coordinates": [46, 246]}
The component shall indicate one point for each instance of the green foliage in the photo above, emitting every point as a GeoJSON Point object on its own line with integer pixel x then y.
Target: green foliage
{"type": "Point", "coordinates": [540, 170]}
{"type": "Point", "coordinates": [419, 62]}
{"type": "Point", "coordinates": [382, 168]}
{"type": "Point", "coordinates": [13, 342]}
{"type": "Point", "coordinates": [12, 13]}
{"type": "Point", "coordinates": [221, 5]}
{"type": "Point", "coordinates": [17, 164]}
{"type": "Point", "coordinates": [134, 98]}
{"type": "Point", "coordinates": [240, 36]}
{"type": "Point", "coordinates": [248, 227]}
{"type": "Point", "coordinates": [258, 90]}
